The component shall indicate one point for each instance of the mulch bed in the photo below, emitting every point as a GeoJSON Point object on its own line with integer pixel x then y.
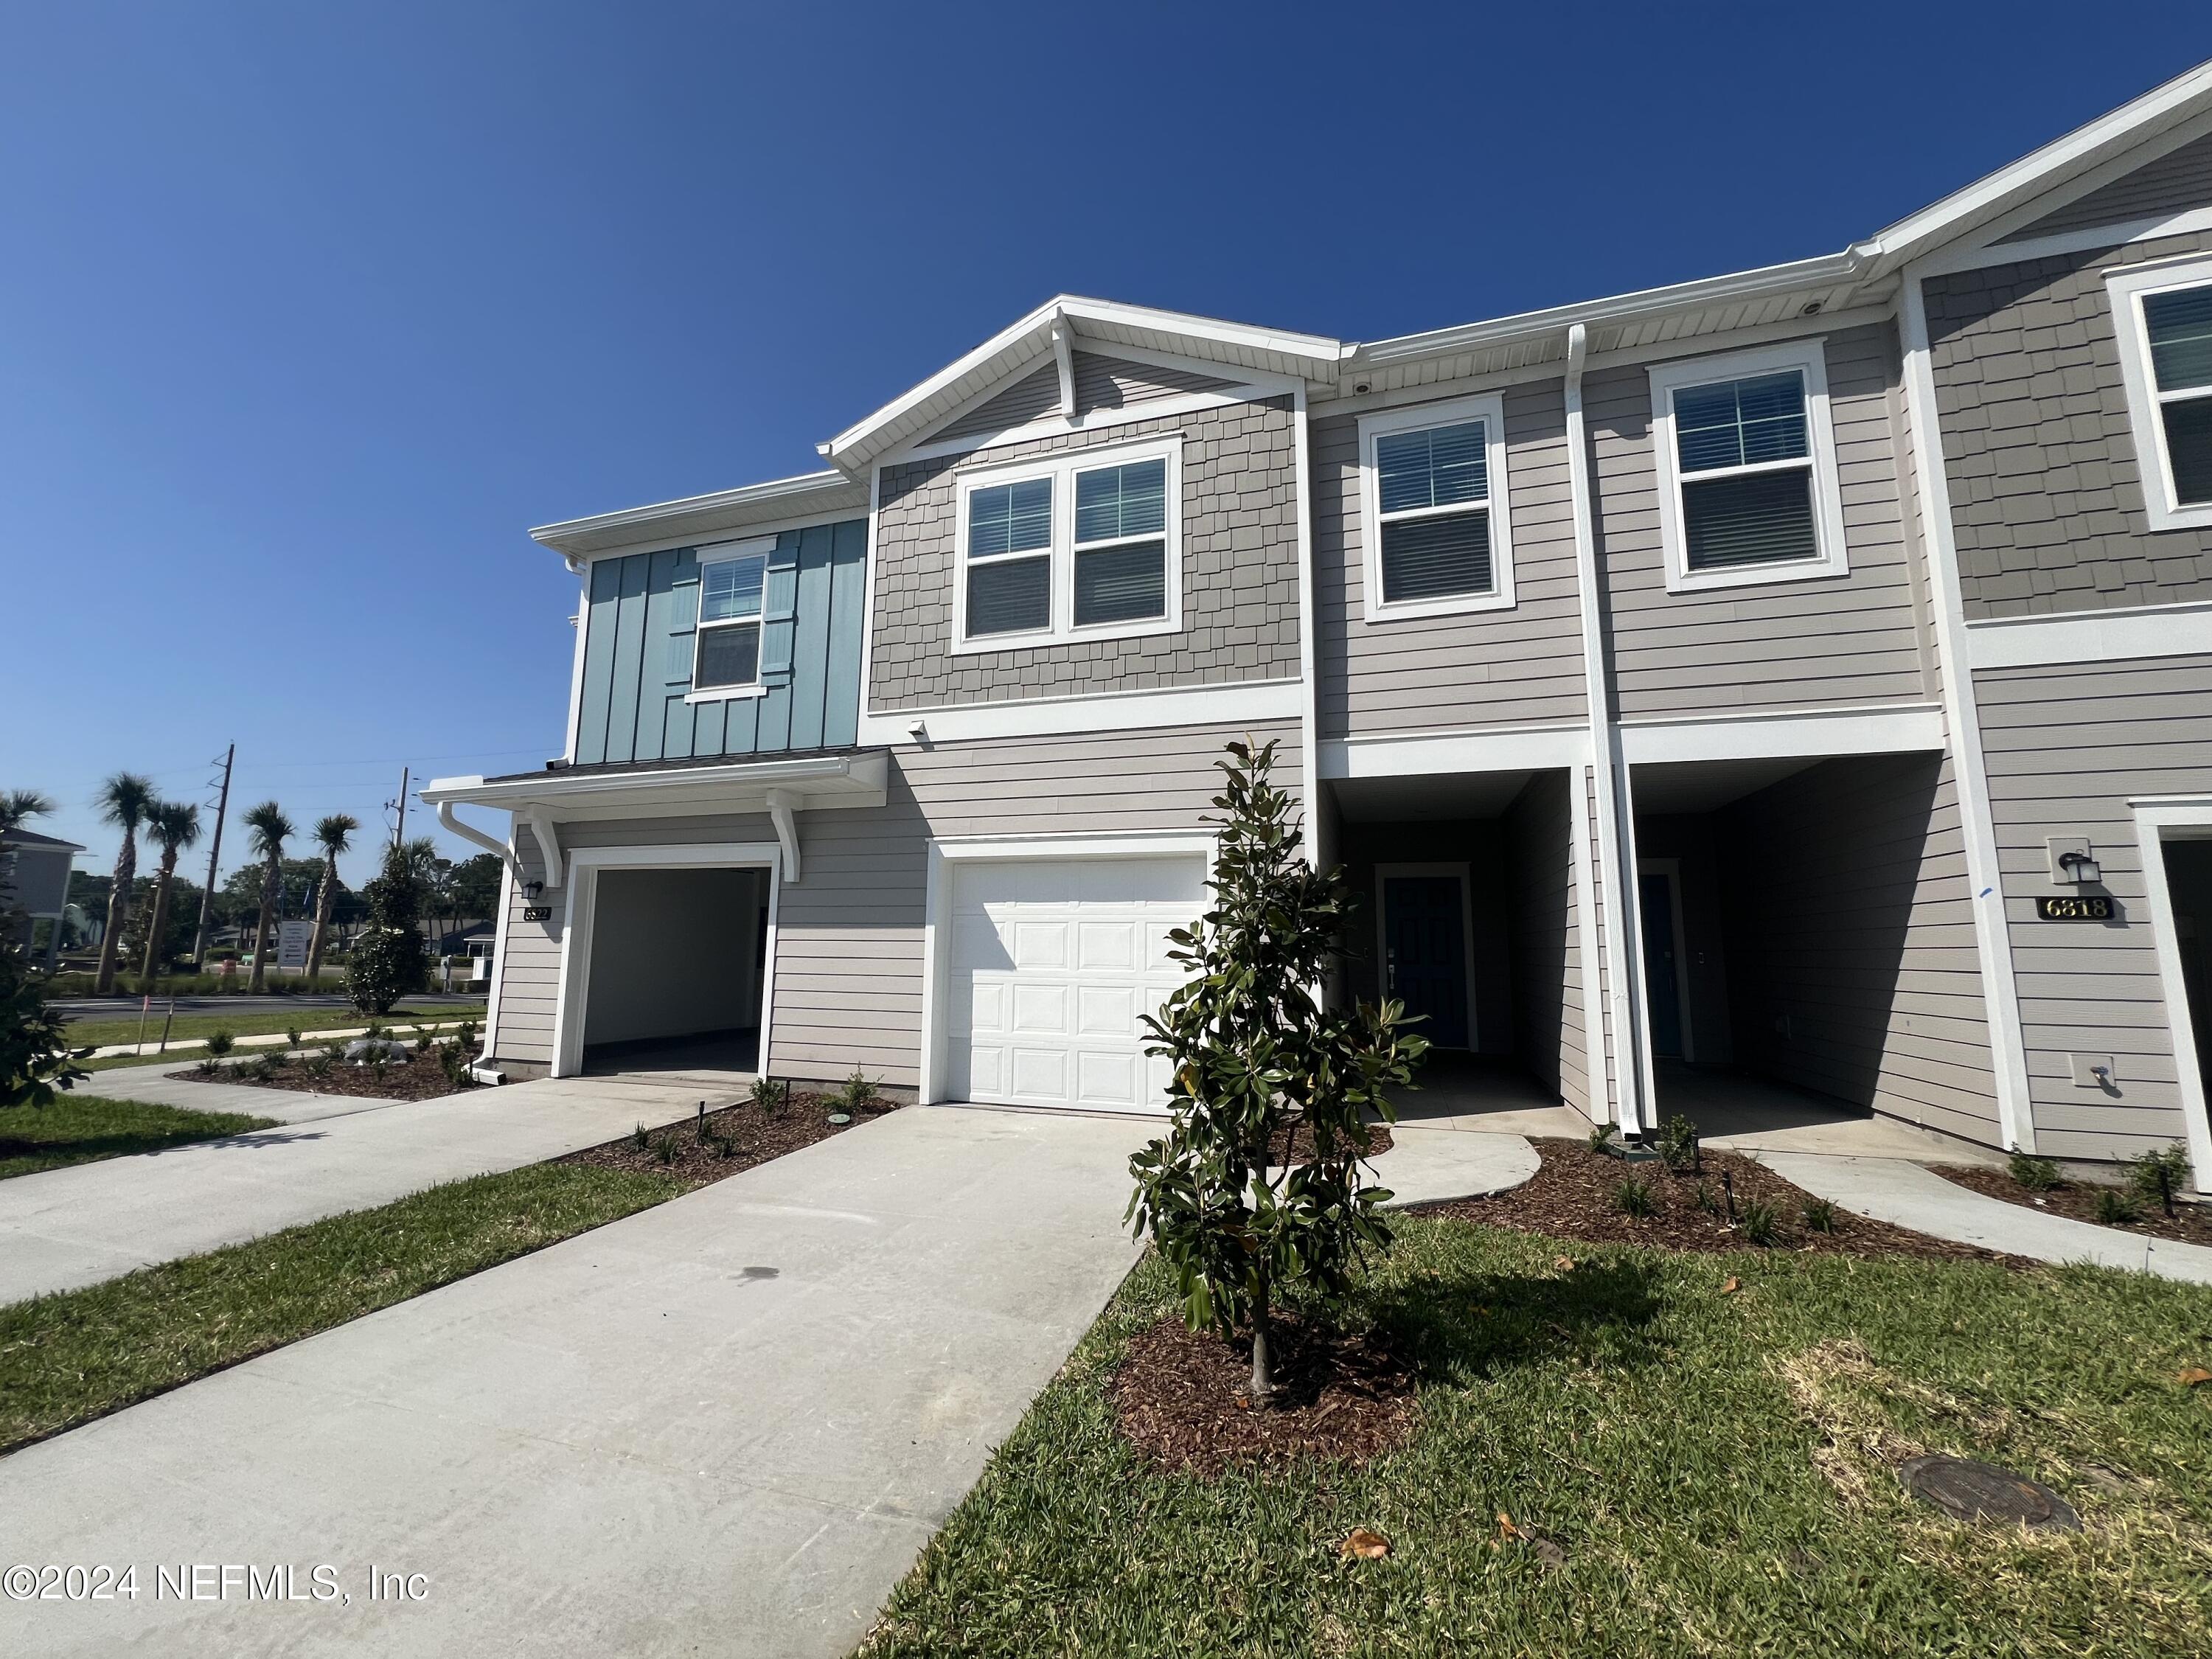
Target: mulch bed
{"type": "Point", "coordinates": [1577, 1195]}
{"type": "Point", "coordinates": [2077, 1201]}
{"type": "Point", "coordinates": [419, 1077]}
{"type": "Point", "coordinates": [1184, 1398]}
{"type": "Point", "coordinates": [1296, 1145]}
{"type": "Point", "coordinates": [736, 1138]}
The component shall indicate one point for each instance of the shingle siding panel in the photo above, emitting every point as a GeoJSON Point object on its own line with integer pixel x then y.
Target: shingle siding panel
{"type": "Point", "coordinates": [2046, 484]}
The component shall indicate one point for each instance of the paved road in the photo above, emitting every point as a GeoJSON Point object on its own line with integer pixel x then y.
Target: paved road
{"type": "Point", "coordinates": [120, 1007]}
{"type": "Point", "coordinates": [67, 1228]}
{"type": "Point", "coordinates": [726, 1425]}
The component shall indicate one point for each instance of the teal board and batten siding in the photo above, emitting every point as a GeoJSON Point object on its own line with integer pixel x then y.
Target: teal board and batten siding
{"type": "Point", "coordinates": [2068, 746]}
{"type": "Point", "coordinates": [640, 625]}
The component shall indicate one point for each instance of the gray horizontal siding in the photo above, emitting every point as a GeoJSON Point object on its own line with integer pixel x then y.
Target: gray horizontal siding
{"type": "Point", "coordinates": [1853, 965]}
{"type": "Point", "coordinates": [2046, 485]}
{"type": "Point", "coordinates": [1519, 666]}
{"type": "Point", "coordinates": [848, 970]}
{"type": "Point", "coordinates": [2066, 748]}
{"type": "Point", "coordinates": [2176, 182]}
{"type": "Point", "coordinates": [1240, 576]}
{"type": "Point", "coordinates": [1853, 639]}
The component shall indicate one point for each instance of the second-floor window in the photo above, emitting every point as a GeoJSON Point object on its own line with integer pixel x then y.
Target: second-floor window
{"type": "Point", "coordinates": [728, 646]}
{"type": "Point", "coordinates": [2162, 315]}
{"type": "Point", "coordinates": [1432, 509]}
{"type": "Point", "coordinates": [1748, 468]}
{"type": "Point", "coordinates": [1081, 545]}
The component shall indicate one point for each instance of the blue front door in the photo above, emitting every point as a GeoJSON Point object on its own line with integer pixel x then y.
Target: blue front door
{"type": "Point", "coordinates": [1662, 989]}
{"type": "Point", "coordinates": [1424, 954]}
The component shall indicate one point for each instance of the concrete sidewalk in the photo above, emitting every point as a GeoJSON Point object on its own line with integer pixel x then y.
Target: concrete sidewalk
{"type": "Point", "coordinates": [66, 1228]}
{"type": "Point", "coordinates": [1429, 1165]}
{"type": "Point", "coordinates": [726, 1426]}
{"type": "Point", "coordinates": [160, 1085]}
{"type": "Point", "coordinates": [1906, 1195]}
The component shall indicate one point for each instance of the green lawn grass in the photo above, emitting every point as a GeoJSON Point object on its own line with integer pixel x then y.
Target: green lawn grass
{"type": "Point", "coordinates": [1717, 1466]}
{"type": "Point", "coordinates": [259, 1020]}
{"type": "Point", "coordinates": [67, 1359]}
{"type": "Point", "coordinates": [79, 1129]}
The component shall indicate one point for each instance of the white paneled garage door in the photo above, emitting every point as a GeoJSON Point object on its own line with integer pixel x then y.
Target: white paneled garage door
{"type": "Point", "coordinates": [1051, 962]}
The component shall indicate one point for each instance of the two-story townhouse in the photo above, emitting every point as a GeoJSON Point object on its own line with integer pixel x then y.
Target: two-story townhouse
{"type": "Point", "coordinates": [1803, 675]}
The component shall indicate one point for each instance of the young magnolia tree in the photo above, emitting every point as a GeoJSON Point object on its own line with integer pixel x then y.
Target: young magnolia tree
{"type": "Point", "coordinates": [386, 961]}
{"type": "Point", "coordinates": [1256, 1055]}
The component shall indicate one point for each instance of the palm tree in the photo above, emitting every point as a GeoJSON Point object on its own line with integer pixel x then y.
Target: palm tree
{"type": "Point", "coordinates": [271, 830]}
{"type": "Point", "coordinates": [122, 800]}
{"type": "Point", "coordinates": [334, 834]}
{"type": "Point", "coordinates": [16, 804]}
{"type": "Point", "coordinates": [176, 825]}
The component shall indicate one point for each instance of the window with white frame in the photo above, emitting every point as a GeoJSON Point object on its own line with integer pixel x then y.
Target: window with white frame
{"type": "Point", "coordinates": [1748, 468]}
{"type": "Point", "coordinates": [728, 648]}
{"type": "Point", "coordinates": [1082, 545]}
{"type": "Point", "coordinates": [1432, 506]}
{"type": "Point", "coordinates": [2162, 315]}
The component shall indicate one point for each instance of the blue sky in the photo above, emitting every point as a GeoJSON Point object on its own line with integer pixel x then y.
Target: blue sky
{"type": "Point", "coordinates": [310, 310]}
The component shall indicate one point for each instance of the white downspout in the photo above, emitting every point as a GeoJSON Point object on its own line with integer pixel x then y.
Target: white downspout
{"type": "Point", "coordinates": [470, 833]}
{"type": "Point", "coordinates": [1620, 1033]}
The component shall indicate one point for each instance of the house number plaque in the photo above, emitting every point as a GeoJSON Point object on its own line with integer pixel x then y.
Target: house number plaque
{"type": "Point", "coordinates": [537, 913]}
{"type": "Point", "coordinates": [2074, 907]}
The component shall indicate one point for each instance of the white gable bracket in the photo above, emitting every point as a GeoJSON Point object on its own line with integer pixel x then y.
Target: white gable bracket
{"type": "Point", "coordinates": [1063, 356]}
{"type": "Point", "coordinates": [548, 843]}
{"type": "Point", "coordinates": [782, 811]}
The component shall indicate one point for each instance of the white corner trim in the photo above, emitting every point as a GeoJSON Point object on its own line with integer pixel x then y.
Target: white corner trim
{"type": "Point", "coordinates": [1767, 735]}
{"type": "Point", "coordinates": [509, 880]}
{"type": "Point", "coordinates": [1489, 408]}
{"type": "Point", "coordinates": [1962, 726]}
{"type": "Point", "coordinates": [1417, 754]}
{"type": "Point", "coordinates": [1810, 357]}
{"type": "Point", "coordinates": [2193, 818]}
{"type": "Point", "coordinates": [2163, 630]}
{"type": "Point", "coordinates": [1259, 701]}
{"type": "Point", "coordinates": [572, 989]}
{"type": "Point", "coordinates": [2128, 287]}
{"type": "Point", "coordinates": [1309, 703]}
{"type": "Point", "coordinates": [582, 621]}
{"type": "Point", "coordinates": [547, 837]}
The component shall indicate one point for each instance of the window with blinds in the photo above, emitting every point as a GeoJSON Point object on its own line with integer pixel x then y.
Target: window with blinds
{"type": "Point", "coordinates": [1009, 557]}
{"type": "Point", "coordinates": [1432, 495]}
{"type": "Point", "coordinates": [728, 644]}
{"type": "Point", "coordinates": [1744, 458]}
{"type": "Point", "coordinates": [1120, 543]}
{"type": "Point", "coordinates": [2178, 326]}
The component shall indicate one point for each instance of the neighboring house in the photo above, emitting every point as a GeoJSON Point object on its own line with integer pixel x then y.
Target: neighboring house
{"type": "Point", "coordinates": [1807, 672]}
{"type": "Point", "coordinates": [34, 880]}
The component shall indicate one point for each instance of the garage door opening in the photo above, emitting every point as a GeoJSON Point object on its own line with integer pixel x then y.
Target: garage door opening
{"type": "Point", "coordinates": [675, 979]}
{"type": "Point", "coordinates": [1049, 964]}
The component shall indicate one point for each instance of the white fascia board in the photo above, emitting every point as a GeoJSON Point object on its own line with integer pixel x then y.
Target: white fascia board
{"type": "Point", "coordinates": [1793, 735]}
{"type": "Point", "coordinates": [1425, 754]}
{"type": "Point", "coordinates": [1204, 339]}
{"type": "Point", "coordinates": [826, 781]}
{"type": "Point", "coordinates": [808, 494]}
{"type": "Point", "coordinates": [2165, 630]}
{"type": "Point", "coordinates": [2035, 173]}
{"type": "Point", "coordinates": [1119, 711]}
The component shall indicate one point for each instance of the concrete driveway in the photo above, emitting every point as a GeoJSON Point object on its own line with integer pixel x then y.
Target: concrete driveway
{"type": "Point", "coordinates": [67, 1228]}
{"type": "Point", "coordinates": [726, 1426]}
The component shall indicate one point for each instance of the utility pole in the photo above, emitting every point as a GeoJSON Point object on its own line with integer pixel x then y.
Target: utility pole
{"type": "Point", "coordinates": [215, 852]}
{"type": "Point", "coordinates": [399, 834]}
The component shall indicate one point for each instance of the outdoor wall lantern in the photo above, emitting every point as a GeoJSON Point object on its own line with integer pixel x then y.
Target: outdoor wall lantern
{"type": "Point", "coordinates": [2072, 863]}
{"type": "Point", "coordinates": [530, 889]}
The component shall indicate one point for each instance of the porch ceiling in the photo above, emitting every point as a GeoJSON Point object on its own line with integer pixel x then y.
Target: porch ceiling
{"type": "Point", "coordinates": [1705, 785]}
{"type": "Point", "coordinates": [1427, 798]}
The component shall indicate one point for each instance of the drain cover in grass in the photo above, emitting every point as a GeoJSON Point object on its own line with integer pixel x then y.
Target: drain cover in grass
{"type": "Point", "coordinates": [1967, 1491]}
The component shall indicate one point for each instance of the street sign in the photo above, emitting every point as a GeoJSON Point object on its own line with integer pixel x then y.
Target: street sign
{"type": "Point", "coordinates": [292, 944]}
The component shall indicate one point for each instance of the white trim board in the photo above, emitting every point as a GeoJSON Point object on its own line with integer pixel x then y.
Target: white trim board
{"type": "Point", "coordinates": [937, 892]}
{"type": "Point", "coordinates": [570, 1012]}
{"type": "Point", "coordinates": [1257, 701]}
{"type": "Point", "coordinates": [2165, 630]}
{"type": "Point", "coordinates": [2157, 822]}
{"type": "Point", "coordinates": [1777, 736]}
{"type": "Point", "coordinates": [2088, 239]}
{"type": "Point", "coordinates": [1420, 754]}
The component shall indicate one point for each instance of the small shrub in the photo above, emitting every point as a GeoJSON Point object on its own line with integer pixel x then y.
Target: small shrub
{"type": "Point", "coordinates": [334, 1051]}
{"type": "Point", "coordinates": [1678, 1143]}
{"type": "Point", "coordinates": [858, 1091]}
{"type": "Point", "coordinates": [664, 1147]}
{"type": "Point", "coordinates": [1706, 1203]}
{"type": "Point", "coordinates": [292, 1037]}
{"type": "Point", "coordinates": [210, 1067]}
{"type": "Point", "coordinates": [453, 1061]}
{"type": "Point", "coordinates": [377, 1059]}
{"type": "Point", "coordinates": [260, 1069]}
{"type": "Point", "coordinates": [1633, 1197]}
{"type": "Point", "coordinates": [1761, 1224]}
{"type": "Point", "coordinates": [373, 1030]}
{"type": "Point", "coordinates": [466, 1035]}
{"type": "Point", "coordinates": [318, 1067]}
{"type": "Point", "coordinates": [2038, 1175]}
{"type": "Point", "coordinates": [1602, 1135]}
{"type": "Point", "coordinates": [2161, 1174]}
{"type": "Point", "coordinates": [637, 1137]}
{"type": "Point", "coordinates": [1819, 1216]}
{"type": "Point", "coordinates": [277, 1058]}
{"type": "Point", "coordinates": [2115, 1209]}
{"type": "Point", "coordinates": [771, 1095]}
{"type": "Point", "coordinates": [219, 1043]}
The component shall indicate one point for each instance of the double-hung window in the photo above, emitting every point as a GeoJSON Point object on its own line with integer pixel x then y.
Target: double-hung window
{"type": "Point", "coordinates": [1432, 509]}
{"type": "Point", "coordinates": [728, 653]}
{"type": "Point", "coordinates": [2162, 314]}
{"type": "Point", "coordinates": [1082, 545]}
{"type": "Point", "coordinates": [1748, 468]}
